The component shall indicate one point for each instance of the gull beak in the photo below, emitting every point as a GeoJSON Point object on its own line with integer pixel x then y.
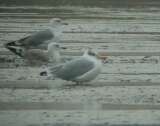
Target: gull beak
{"type": "Point", "coordinates": [63, 47]}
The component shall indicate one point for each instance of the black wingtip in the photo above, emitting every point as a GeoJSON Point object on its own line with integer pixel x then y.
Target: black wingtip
{"type": "Point", "coordinates": [14, 50]}
{"type": "Point", "coordinates": [13, 43]}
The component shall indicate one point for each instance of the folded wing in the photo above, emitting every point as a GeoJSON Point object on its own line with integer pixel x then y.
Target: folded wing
{"type": "Point", "coordinates": [72, 69]}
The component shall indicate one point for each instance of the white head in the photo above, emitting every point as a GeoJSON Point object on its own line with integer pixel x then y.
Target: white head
{"type": "Point", "coordinates": [53, 52]}
{"type": "Point", "coordinates": [87, 51]}
{"type": "Point", "coordinates": [53, 47]}
{"type": "Point", "coordinates": [91, 53]}
{"type": "Point", "coordinates": [57, 22]}
{"type": "Point", "coordinates": [57, 26]}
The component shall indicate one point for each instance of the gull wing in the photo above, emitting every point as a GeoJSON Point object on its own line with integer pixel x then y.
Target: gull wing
{"type": "Point", "coordinates": [73, 69]}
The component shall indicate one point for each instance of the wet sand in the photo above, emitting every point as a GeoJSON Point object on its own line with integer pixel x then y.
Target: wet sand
{"type": "Point", "coordinates": [125, 93]}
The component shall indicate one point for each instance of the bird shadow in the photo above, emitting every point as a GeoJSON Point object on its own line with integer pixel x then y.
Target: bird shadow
{"type": "Point", "coordinates": [75, 85]}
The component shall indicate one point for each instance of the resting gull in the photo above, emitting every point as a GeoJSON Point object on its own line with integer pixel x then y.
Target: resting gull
{"type": "Point", "coordinates": [79, 70]}
{"type": "Point", "coordinates": [39, 56]}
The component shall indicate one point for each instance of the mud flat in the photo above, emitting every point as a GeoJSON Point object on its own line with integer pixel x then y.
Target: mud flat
{"type": "Point", "coordinates": [126, 93]}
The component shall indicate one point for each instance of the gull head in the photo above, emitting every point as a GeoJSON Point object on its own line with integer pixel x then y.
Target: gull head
{"type": "Point", "coordinates": [53, 46]}
{"type": "Point", "coordinates": [90, 52]}
{"type": "Point", "coordinates": [53, 52]}
{"type": "Point", "coordinates": [57, 22]}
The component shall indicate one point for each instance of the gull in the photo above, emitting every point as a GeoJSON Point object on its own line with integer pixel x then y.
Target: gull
{"type": "Point", "coordinates": [82, 69]}
{"type": "Point", "coordinates": [38, 57]}
{"type": "Point", "coordinates": [38, 39]}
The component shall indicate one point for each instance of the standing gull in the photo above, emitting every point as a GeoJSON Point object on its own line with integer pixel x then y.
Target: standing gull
{"type": "Point", "coordinates": [79, 70]}
{"type": "Point", "coordinates": [36, 40]}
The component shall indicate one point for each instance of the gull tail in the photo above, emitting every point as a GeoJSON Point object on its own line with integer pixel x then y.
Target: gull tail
{"type": "Point", "coordinates": [16, 46]}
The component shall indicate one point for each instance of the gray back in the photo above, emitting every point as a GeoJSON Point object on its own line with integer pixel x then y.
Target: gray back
{"type": "Point", "coordinates": [37, 38]}
{"type": "Point", "coordinates": [73, 69]}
